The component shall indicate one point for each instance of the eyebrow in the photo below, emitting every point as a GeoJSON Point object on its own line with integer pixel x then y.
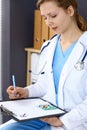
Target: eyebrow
{"type": "Point", "coordinates": [50, 13]}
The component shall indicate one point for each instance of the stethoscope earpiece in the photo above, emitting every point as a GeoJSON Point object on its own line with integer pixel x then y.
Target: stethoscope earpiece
{"type": "Point", "coordinates": [40, 72]}
{"type": "Point", "coordinates": [30, 71]}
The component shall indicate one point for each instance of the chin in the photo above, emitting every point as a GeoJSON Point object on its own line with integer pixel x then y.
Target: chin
{"type": "Point", "coordinates": [56, 31]}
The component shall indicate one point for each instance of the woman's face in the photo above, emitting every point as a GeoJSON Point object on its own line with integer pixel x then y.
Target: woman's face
{"type": "Point", "coordinates": [55, 17]}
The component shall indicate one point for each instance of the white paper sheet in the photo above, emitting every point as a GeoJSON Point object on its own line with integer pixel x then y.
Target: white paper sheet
{"type": "Point", "coordinates": [31, 108]}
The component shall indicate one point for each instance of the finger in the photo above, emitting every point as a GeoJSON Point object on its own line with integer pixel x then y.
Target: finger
{"type": "Point", "coordinates": [9, 89]}
{"type": "Point", "coordinates": [18, 90]}
{"type": "Point", "coordinates": [14, 96]}
{"type": "Point", "coordinates": [44, 119]}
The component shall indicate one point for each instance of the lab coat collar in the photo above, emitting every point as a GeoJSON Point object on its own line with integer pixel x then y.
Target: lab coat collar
{"type": "Point", "coordinates": [83, 39]}
{"type": "Point", "coordinates": [75, 55]}
{"type": "Point", "coordinates": [50, 54]}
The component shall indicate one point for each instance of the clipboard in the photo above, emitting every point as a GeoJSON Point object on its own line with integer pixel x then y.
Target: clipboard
{"type": "Point", "coordinates": [31, 108]}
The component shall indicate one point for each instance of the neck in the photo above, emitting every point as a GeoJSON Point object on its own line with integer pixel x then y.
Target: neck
{"type": "Point", "coordinates": [72, 35]}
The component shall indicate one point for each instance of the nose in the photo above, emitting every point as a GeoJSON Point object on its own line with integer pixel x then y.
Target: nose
{"type": "Point", "coordinates": [49, 22]}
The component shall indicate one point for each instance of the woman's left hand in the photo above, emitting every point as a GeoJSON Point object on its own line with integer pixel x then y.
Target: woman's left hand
{"type": "Point", "coordinates": [54, 121]}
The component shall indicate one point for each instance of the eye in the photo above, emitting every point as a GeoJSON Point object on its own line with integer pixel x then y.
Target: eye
{"type": "Point", "coordinates": [44, 17]}
{"type": "Point", "coordinates": [53, 16]}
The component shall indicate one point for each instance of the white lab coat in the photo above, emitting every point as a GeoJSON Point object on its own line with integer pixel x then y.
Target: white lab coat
{"type": "Point", "coordinates": [72, 93]}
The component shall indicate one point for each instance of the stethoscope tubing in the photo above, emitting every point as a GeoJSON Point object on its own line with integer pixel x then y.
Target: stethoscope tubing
{"type": "Point", "coordinates": [84, 56]}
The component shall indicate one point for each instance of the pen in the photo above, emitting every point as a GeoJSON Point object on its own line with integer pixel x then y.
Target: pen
{"type": "Point", "coordinates": [14, 84]}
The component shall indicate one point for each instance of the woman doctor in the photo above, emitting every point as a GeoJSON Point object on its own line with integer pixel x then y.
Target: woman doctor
{"type": "Point", "coordinates": [63, 69]}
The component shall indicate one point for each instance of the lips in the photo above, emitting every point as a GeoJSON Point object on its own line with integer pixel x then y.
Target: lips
{"type": "Point", "coordinates": [53, 28]}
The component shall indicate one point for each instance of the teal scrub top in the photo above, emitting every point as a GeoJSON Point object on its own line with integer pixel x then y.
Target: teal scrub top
{"type": "Point", "coordinates": [59, 59]}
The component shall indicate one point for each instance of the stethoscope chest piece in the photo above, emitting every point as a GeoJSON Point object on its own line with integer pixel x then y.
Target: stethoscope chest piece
{"type": "Point", "coordinates": [79, 66]}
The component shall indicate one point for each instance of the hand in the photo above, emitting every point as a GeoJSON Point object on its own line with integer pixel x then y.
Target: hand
{"type": "Point", "coordinates": [53, 121]}
{"type": "Point", "coordinates": [17, 93]}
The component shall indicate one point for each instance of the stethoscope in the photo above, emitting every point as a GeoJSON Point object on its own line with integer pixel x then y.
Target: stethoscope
{"type": "Point", "coordinates": [80, 64]}
{"type": "Point", "coordinates": [41, 71]}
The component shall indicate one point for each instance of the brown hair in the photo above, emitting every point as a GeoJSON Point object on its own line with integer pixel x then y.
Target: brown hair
{"type": "Point", "coordinates": [65, 4]}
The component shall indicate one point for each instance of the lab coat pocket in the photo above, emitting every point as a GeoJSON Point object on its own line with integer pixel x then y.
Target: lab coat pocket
{"type": "Point", "coordinates": [74, 88]}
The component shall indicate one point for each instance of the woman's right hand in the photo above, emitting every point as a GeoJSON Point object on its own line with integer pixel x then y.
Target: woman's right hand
{"type": "Point", "coordinates": [17, 93]}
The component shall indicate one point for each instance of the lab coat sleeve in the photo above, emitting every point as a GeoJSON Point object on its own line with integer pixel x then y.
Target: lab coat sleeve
{"type": "Point", "coordinates": [39, 89]}
{"type": "Point", "coordinates": [77, 116]}
{"type": "Point", "coordinates": [36, 90]}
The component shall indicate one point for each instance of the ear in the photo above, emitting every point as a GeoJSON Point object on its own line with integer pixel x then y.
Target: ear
{"type": "Point", "coordinates": [70, 10]}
